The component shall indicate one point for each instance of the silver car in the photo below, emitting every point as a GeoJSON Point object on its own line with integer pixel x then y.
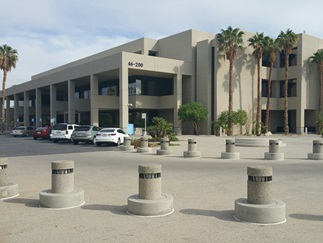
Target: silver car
{"type": "Point", "coordinates": [85, 133]}
{"type": "Point", "coordinates": [110, 136]}
{"type": "Point", "coordinates": [21, 131]}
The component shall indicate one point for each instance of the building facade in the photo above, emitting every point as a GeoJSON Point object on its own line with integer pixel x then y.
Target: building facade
{"type": "Point", "coordinates": [114, 87]}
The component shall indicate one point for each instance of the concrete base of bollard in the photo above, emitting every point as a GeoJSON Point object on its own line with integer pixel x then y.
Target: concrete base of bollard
{"type": "Point", "coordinates": [274, 156]}
{"type": "Point", "coordinates": [126, 148]}
{"type": "Point", "coordinates": [8, 191]}
{"type": "Point", "coordinates": [144, 150]}
{"type": "Point", "coordinates": [230, 155]}
{"type": "Point", "coordinates": [158, 207]}
{"type": "Point", "coordinates": [315, 156]}
{"type": "Point", "coordinates": [71, 199]}
{"type": "Point", "coordinates": [164, 152]}
{"type": "Point", "coordinates": [191, 154]}
{"type": "Point", "coordinates": [273, 213]}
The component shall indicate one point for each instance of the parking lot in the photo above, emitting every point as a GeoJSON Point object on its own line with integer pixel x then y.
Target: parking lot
{"type": "Point", "coordinates": [204, 191]}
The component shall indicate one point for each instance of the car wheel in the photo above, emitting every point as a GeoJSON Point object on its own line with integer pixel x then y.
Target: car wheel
{"type": "Point", "coordinates": [98, 144]}
{"type": "Point", "coordinates": [94, 140]}
{"type": "Point", "coordinates": [76, 142]}
{"type": "Point", "coordinates": [119, 142]}
{"type": "Point", "coordinates": [15, 136]}
{"type": "Point", "coordinates": [55, 141]}
{"type": "Point", "coordinates": [35, 138]}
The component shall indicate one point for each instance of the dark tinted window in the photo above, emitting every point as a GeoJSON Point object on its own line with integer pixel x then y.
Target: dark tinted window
{"type": "Point", "coordinates": [107, 130]}
{"type": "Point", "coordinates": [60, 127]}
{"type": "Point", "coordinates": [120, 131]}
{"type": "Point", "coordinates": [83, 128]}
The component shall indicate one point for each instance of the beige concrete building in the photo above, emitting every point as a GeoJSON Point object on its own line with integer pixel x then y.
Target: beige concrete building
{"type": "Point", "coordinates": [114, 87]}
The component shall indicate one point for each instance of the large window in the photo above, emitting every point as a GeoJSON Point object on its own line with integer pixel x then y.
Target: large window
{"type": "Point", "coordinates": [292, 88]}
{"type": "Point", "coordinates": [82, 92]}
{"type": "Point", "coordinates": [292, 58]}
{"type": "Point", "coordinates": [153, 86]}
{"type": "Point", "coordinates": [109, 88]}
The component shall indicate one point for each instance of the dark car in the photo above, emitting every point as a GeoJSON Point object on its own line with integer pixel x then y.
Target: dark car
{"type": "Point", "coordinates": [42, 132]}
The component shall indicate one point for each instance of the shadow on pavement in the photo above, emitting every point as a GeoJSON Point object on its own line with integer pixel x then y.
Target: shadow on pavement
{"type": "Point", "coordinates": [226, 215]}
{"type": "Point", "coordinates": [33, 203]}
{"type": "Point", "coordinates": [310, 217]}
{"type": "Point", "coordinates": [120, 210]}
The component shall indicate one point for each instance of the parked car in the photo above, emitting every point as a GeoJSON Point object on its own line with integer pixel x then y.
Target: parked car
{"type": "Point", "coordinates": [85, 133]}
{"type": "Point", "coordinates": [62, 132]}
{"type": "Point", "coordinates": [110, 136]}
{"type": "Point", "coordinates": [42, 132]}
{"type": "Point", "coordinates": [22, 131]}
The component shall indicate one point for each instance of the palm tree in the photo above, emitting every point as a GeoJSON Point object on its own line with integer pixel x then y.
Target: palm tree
{"type": "Point", "coordinates": [230, 40]}
{"type": "Point", "coordinates": [286, 41]}
{"type": "Point", "coordinates": [8, 60]}
{"type": "Point", "coordinates": [317, 58]}
{"type": "Point", "coordinates": [271, 50]}
{"type": "Point", "coordinates": [258, 42]}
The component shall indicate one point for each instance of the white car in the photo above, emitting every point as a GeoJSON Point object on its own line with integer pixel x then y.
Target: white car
{"type": "Point", "coordinates": [62, 132]}
{"type": "Point", "coordinates": [110, 136]}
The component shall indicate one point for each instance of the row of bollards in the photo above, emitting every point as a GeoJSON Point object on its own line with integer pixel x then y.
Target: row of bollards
{"type": "Point", "coordinates": [259, 207]}
{"type": "Point", "coordinates": [230, 153]}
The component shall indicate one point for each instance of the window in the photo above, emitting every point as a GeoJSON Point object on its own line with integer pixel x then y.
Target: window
{"type": "Point", "coordinates": [153, 53]}
{"type": "Point", "coordinates": [109, 88]}
{"type": "Point", "coordinates": [292, 88]}
{"type": "Point", "coordinates": [292, 58]}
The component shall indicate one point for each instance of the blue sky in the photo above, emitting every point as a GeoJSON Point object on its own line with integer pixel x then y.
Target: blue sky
{"type": "Point", "coordinates": [51, 33]}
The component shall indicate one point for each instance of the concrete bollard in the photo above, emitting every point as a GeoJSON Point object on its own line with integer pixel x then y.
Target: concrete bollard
{"type": "Point", "coordinates": [150, 201]}
{"type": "Point", "coordinates": [260, 207]}
{"type": "Point", "coordinates": [259, 184]}
{"type": "Point", "coordinates": [149, 182]}
{"type": "Point", "coordinates": [230, 150]}
{"type": "Point", "coordinates": [62, 194]}
{"type": "Point", "coordinates": [7, 190]}
{"type": "Point", "coordinates": [126, 144]}
{"type": "Point", "coordinates": [274, 153]}
{"type": "Point", "coordinates": [164, 147]}
{"type": "Point", "coordinates": [143, 145]}
{"type": "Point", "coordinates": [62, 176]}
{"type": "Point", "coordinates": [192, 145]}
{"type": "Point", "coordinates": [317, 150]}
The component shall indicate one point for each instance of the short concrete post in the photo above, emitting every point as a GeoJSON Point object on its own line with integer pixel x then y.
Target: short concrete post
{"type": "Point", "coordinates": [260, 184]}
{"type": "Point", "coordinates": [164, 147]}
{"type": "Point", "coordinates": [62, 194]}
{"type": "Point", "coordinates": [149, 182]}
{"type": "Point", "coordinates": [7, 190]}
{"type": "Point", "coordinates": [3, 172]}
{"type": "Point", "coordinates": [126, 144]}
{"type": "Point", "coordinates": [192, 145]}
{"type": "Point", "coordinates": [273, 153]}
{"type": "Point", "coordinates": [150, 201]}
{"type": "Point", "coordinates": [230, 150]}
{"type": "Point", "coordinates": [62, 176]}
{"type": "Point", "coordinates": [143, 145]}
{"type": "Point", "coordinates": [260, 207]}
{"type": "Point", "coordinates": [317, 150]}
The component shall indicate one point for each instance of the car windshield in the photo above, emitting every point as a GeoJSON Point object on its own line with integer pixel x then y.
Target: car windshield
{"type": "Point", "coordinates": [107, 130]}
{"type": "Point", "coordinates": [83, 128]}
{"type": "Point", "coordinates": [60, 127]}
{"type": "Point", "coordinates": [19, 128]}
{"type": "Point", "coordinates": [41, 128]}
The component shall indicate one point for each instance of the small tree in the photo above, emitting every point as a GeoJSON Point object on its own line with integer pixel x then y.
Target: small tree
{"type": "Point", "coordinates": [238, 117]}
{"type": "Point", "coordinates": [193, 112]}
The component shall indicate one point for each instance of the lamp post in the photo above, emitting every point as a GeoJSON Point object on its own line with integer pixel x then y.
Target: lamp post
{"type": "Point", "coordinates": [143, 116]}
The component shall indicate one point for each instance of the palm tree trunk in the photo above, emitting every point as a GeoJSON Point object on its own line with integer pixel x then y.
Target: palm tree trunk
{"type": "Point", "coordinates": [258, 124]}
{"type": "Point", "coordinates": [320, 99]}
{"type": "Point", "coordinates": [268, 96]}
{"type": "Point", "coordinates": [286, 128]}
{"type": "Point", "coordinates": [3, 119]}
{"type": "Point", "coordinates": [230, 98]}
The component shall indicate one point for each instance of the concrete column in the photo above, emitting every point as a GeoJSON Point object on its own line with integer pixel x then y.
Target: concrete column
{"type": "Point", "coordinates": [230, 145]}
{"type": "Point", "coordinates": [192, 144]}
{"type": "Point", "coordinates": [126, 144]}
{"type": "Point", "coordinates": [38, 108]}
{"type": "Point", "coordinates": [94, 89]}
{"type": "Point", "coordinates": [123, 96]}
{"type": "Point", "coordinates": [8, 113]}
{"type": "Point", "coordinates": [274, 153]}
{"type": "Point", "coordinates": [62, 176]}
{"type": "Point", "coordinates": [144, 148]}
{"type": "Point", "coordinates": [26, 108]}
{"type": "Point", "coordinates": [53, 102]}
{"type": "Point", "coordinates": [149, 182]}
{"type": "Point", "coordinates": [16, 110]}
{"type": "Point", "coordinates": [260, 184]}
{"type": "Point", "coordinates": [273, 146]}
{"type": "Point", "coordinates": [230, 150]}
{"type": "Point", "coordinates": [71, 101]}
{"type": "Point", "coordinates": [164, 147]}
{"type": "Point", "coordinates": [317, 146]}
{"type": "Point", "coordinates": [3, 172]}
{"type": "Point", "coordinates": [178, 101]}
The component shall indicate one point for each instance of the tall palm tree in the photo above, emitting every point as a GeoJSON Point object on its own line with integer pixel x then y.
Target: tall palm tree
{"type": "Point", "coordinates": [8, 60]}
{"type": "Point", "coordinates": [317, 58]}
{"type": "Point", "coordinates": [286, 41]}
{"type": "Point", "coordinates": [271, 50]}
{"type": "Point", "coordinates": [258, 42]}
{"type": "Point", "coordinates": [230, 40]}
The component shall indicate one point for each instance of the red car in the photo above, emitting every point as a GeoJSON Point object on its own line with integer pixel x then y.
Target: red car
{"type": "Point", "coordinates": [42, 132]}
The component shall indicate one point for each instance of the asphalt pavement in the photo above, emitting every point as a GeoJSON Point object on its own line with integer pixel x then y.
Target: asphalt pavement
{"type": "Point", "coordinates": [204, 191]}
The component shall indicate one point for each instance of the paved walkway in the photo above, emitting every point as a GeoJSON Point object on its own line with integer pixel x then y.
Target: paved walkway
{"type": "Point", "coordinates": [204, 191]}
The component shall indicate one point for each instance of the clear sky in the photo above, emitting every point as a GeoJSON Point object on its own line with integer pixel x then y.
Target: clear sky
{"type": "Point", "coordinates": [51, 33]}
